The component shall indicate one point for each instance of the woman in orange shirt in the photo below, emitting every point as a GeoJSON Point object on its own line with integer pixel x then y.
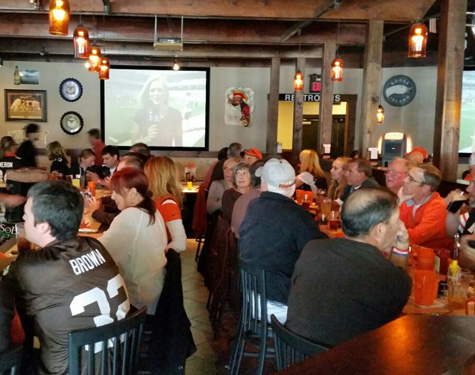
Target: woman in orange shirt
{"type": "Point", "coordinates": [165, 186]}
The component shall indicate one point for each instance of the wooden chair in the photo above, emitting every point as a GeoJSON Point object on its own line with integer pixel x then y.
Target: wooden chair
{"type": "Point", "coordinates": [10, 361]}
{"type": "Point", "coordinates": [117, 343]}
{"type": "Point", "coordinates": [291, 348]}
{"type": "Point", "coordinates": [251, 325]}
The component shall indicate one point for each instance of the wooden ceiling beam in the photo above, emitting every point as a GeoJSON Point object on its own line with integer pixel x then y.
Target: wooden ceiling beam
{"type": "Point", "coordinates": [10, 46]}
{"type": "Point", "coordinates": [387, 10]}
{"type": "Point", "coordinates": [195, 31]}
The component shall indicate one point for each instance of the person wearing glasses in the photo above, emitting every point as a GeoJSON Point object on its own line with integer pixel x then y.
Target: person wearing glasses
{"type": "Point", "coordinates": [395, 176]}
{"type": "Point", "coordinates": [425, 213]}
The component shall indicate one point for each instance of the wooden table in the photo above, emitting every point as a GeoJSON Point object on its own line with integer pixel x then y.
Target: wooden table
{"type": "Point", "coordinates": [411, 345]}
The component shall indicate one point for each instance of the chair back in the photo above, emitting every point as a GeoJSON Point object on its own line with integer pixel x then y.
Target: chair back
{"type": "Point", "coordinates": [254, 298]}
{"type": "Point", "coordinates": [118, 343]}
{"type": "Point", "coordinates": [10, 361]}
{"type": "Point", "coordinates": [291, 348]}
{"type": "Point", "coordinates": [467, 302]}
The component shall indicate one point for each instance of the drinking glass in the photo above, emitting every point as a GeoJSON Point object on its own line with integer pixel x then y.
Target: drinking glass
{"type": "Point", "coordinates": [21, 242]}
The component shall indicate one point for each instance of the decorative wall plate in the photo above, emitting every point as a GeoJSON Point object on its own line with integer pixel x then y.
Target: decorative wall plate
{"type": "Point", "coordinates": [70, 89]}
{"type": "Point", "coordinates": [71, 122]}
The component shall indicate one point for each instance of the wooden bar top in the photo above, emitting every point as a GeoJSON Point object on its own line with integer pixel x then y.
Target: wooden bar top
{"type": "Point", "coordinates": [414, 344]}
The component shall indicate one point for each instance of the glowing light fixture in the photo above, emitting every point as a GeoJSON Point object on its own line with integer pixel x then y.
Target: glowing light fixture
{"type": "Point", "coordinates": [176, 66]}
{"type": "Point", "coordinates": [81, 42]}
{"type": "Point", "coordinates": [380, 114]}
{"type": "Point", "coordinates": [337, 70]}
{"type": "Point", "coordinates": [58, 17]}
{"type": "Point", "coordinates": [298, 81]}
{"type": "Point", "coordinates": [417, 41]}
{"type": "Point", "coordinates": [104, 68]}
{"type": "Point", "coordinates": [95, 59]}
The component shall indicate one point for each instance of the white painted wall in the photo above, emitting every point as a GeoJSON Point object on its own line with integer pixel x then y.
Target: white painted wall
{"type": "Point", "coordinates": [415, 119]}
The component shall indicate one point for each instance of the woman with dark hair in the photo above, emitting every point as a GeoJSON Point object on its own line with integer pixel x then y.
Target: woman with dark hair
{"type": "Point", "coordinates": [27, 150]}
{"type": "Point", "coordinates": [57, 154]}
{"type": "Point", "coordinates": [137, 239]}
{"type": "Point", "coordinates": [241, 180]}
{"type": "Point", "coordinates": [8, 158]}
{"type": "Point", "coordinates": [156, 123]}
{"type": "Point", "coordinates": [86, 160]}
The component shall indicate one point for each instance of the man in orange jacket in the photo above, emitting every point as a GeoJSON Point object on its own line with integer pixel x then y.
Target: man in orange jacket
{"type": "Point", "coordinates": [424, 214]}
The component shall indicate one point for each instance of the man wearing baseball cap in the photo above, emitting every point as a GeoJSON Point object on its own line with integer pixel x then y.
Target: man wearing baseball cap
{"type": "Point", "coordinates": [251, 156]}
{"type": "Point", "coordinates": [274, 232]}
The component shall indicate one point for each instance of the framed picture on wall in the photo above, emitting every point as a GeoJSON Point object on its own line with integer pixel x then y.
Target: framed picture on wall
{"type": "Point", "coordinates": [23, 105]}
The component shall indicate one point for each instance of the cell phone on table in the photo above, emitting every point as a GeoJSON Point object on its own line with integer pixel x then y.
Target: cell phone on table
{"type": "Point", "coordinates": [471, 243]}
{"type": "Point", "coordinates": [454, 206]}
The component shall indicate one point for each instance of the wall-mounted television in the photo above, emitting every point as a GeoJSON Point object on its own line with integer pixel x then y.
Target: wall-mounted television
{"type": "Point", "coordinates": [467, 118]}
{"type": "Point", "coordinates": [163, 108]}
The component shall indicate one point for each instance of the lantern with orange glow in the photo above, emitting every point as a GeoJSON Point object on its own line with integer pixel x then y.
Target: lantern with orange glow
{"type": "Point", "coordinates": [58, 17]}
{"type": "Point", "coordinates": [81, 42]}
{"type": "Point", "coordinates": [298, 81]}
{"type": "Point", "coordinates": [417, 41]}
{"type": "Point", "coordinates": [104, 68]}
{"type": "Point", "coordinates": [380, 114]}
{"type": "Point", "coordinates": [95, 59]}
{"type": "Point", "coordinates": [337, 70]}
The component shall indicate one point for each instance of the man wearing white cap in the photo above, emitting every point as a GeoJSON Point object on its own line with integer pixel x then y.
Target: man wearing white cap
{"type": "Point", "coordinates": [274, 232]}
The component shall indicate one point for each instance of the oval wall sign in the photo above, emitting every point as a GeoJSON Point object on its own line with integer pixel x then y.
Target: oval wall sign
{"type": "Point", "coordinates": [399, 90]}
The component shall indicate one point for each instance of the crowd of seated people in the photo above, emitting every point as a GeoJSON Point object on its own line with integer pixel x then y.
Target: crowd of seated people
{"type": "Point", "coordinates": [305, 285]}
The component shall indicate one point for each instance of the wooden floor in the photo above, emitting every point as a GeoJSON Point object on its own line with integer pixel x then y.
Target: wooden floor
{"type": "Point", "coordinates": [212, 356]}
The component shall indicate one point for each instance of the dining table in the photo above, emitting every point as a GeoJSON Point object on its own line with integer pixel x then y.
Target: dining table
{"type": "Point", "coordinates": [410, 345]}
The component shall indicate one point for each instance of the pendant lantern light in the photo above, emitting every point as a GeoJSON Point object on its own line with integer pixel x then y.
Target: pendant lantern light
{"type": "Point", "coordinates": [380, 114]}
{"type": "Point", "coordinates": [95, 59]}
{"type": "Point", "coordinates": [298, 81]}
{"type": "Point", "coordinates": [337, 70]}
{"type": "Point", "coordinates": [81, 42]}
{"type": "Point", "coordinates": [104, 68]}
{"type": "Point", "coordinates": [58, 17]}
{"type": "Point", "coordinates": [417, 41]}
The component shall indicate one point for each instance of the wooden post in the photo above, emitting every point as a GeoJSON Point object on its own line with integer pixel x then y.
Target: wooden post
{"type": "Point", "coordinates": [371, 85]}
{"type": "Point", "coordinates": [298, 112]}
{"type": "Point", "coordinates": [326, 101]}
{"type": "Point", "coordinates": [273, 107]}
{"type": "Point", "coordinates": [449, 87]}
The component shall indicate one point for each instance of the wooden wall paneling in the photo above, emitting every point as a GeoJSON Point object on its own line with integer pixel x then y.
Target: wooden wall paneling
{"type": "Point", "coordinates": [371, 85]}
{"type": "Point", "coordinates": [449, 87]}
{"type": "Point", "coordinates": [273, 107]}
{"type": "Point", "coordinates": [326, 102]}
{"type": "Point", "coordinates": [298, 112]}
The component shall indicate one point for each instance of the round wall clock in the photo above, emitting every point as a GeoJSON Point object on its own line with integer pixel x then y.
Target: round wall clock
{"type": "Point", "coordinates": [399, 90]}
{"type": "Point", "coordinates": [70, 89]}
{"type": "Point", "coordinates": [71, 122]}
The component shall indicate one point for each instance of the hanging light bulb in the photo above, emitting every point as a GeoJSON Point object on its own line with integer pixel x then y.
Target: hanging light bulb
{"type": "Point", "coordinates": [95, 59]}
{"type": "Point", "coordinates": [81, 42]}
{"type": "Point", "coordinates": [104, 68]}
{"type": "Point", "coordinates": [417, 41]}
{"type": "Point", "coordinates": [380, 114]}
{"type": "Point", "coordinates": [176, 66]}
{"type": "Point", "coordinates": [58, 17]}
{"type": "Point", "coordinates": [298, 81]}
{"type": "Point", "coordinates": [337, 70]}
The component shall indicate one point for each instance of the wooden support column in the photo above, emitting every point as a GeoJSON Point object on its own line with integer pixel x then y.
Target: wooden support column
{"type": "Point", "coordinates": [449, 87]}
{"type": "Point", "coordinates": [326, 99]}
{"type": "Point", "coordinates": [298, 112]}
{"type": "Point", "coordinates": [273, 107]}
{"type": "Point", "coordinates": [371, 85]}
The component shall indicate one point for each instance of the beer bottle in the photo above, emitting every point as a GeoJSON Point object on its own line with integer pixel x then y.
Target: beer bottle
{"type": "Point", "coordinates": [16, 76]}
